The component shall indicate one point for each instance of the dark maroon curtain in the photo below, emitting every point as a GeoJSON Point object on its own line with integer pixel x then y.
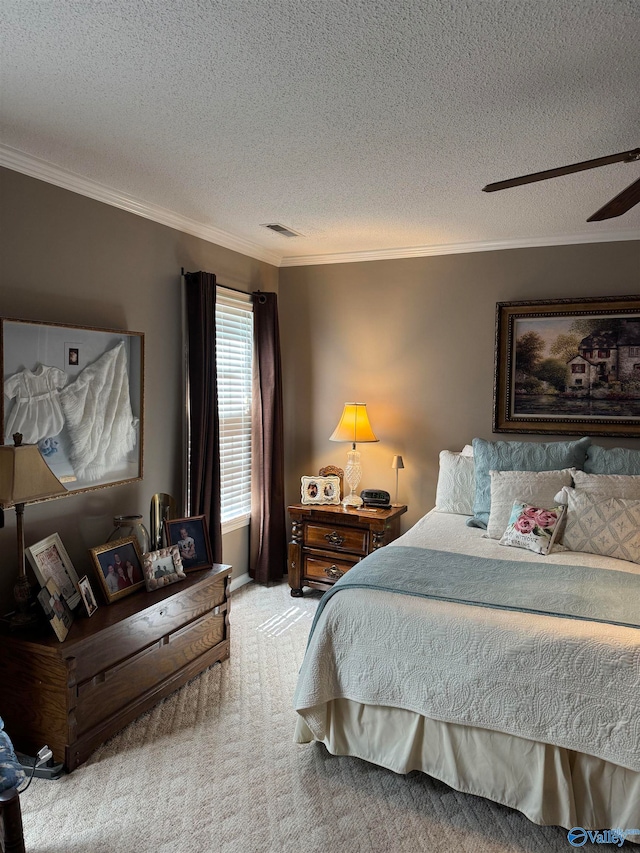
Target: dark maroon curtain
{"type": "Point", "coordinates": [204, 429]}
{"type": "Point", "coordinates": [267, 559]}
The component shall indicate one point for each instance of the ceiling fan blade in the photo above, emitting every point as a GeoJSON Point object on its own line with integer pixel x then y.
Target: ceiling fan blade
{"type": "Point", "coordinates": [623, 202]}
{"type": "Point", "coordinates": [628, 156]}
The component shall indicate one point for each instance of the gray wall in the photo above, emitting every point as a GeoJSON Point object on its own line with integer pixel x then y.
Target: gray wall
{"type": "Point", "coordinates": [414, 339]}
{"type": "Point", "coordinates": [69, 259]}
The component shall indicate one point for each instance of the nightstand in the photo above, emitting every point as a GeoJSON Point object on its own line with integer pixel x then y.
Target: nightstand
{"type": "Point", "coordinates": [326, 541]}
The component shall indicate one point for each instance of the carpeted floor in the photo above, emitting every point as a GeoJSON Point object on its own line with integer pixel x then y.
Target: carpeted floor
{"type": "Point", "coordinates": [214, 768]}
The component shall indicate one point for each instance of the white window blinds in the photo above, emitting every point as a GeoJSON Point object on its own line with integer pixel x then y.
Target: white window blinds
{"type": "Point", "coordinates": [234, 353]}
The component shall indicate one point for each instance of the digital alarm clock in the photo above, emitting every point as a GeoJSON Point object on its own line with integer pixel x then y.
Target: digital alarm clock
{"type": "Point", "coordinates": [376, 498]}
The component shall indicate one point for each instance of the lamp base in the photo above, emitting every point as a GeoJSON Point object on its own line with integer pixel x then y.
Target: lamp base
{"type": "Point", "coordinates": [24, 615]}
{"type": "Point", "coordinates": [20, 621]}
{"type": "Point", "coordinates": [352, 500]}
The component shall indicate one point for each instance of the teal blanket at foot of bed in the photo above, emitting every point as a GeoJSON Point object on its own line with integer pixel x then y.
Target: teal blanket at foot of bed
{"type": "Point", "coordinates": [551, 589]}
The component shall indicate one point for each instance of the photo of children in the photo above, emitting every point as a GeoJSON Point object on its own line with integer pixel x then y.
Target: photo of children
{"type": "Point", "coordinates": [192, 538]}
{"type": "Point", "coordinates": [88, 598]}
{"type": "Point", "coordinates": [320, 490]}
{"type": "Point", "coordinates": [187, 545]}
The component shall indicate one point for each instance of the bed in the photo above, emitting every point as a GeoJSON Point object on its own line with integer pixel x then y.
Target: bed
{"type": "Point", "coordinates": [537, 712]}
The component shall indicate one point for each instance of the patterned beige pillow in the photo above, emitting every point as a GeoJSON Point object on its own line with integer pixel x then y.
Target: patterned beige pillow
{"type": "Point", "coordinates": [602, 525]}
{"type": "Point", "coordinates": [538, 488]}
{"type": "Point", "coordinates": [614, 485]}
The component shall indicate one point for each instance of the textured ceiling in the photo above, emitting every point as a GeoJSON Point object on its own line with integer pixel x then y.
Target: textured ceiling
{"type": "Point", "coordinates": [369, 126]}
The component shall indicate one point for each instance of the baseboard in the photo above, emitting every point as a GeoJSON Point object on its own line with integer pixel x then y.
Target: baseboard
{"type": "Point", "coordinates": [241, 580]}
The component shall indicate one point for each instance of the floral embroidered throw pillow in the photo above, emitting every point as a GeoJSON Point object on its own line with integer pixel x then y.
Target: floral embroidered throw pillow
{"type": "Point", "coordinates": [532, 527]}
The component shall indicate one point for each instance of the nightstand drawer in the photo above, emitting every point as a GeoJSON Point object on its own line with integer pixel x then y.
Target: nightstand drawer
{"type": "Point", "coordinates": [326, 569]}
{"type": "Point", "coordinates": [350, 539]}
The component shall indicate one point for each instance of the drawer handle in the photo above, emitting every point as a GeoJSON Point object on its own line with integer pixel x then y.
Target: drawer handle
{"type": "Point", "coordinates": [333, 572]}
{"type": "Point", "coordinates": [334, 537]}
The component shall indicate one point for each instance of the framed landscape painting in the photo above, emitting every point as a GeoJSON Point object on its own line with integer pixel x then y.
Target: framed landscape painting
{"type": "Point", "coordinates": [568, 366]}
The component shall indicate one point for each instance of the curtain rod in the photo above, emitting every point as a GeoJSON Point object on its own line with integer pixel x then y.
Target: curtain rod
{"type": "Point", "coordinates": [226, 286]}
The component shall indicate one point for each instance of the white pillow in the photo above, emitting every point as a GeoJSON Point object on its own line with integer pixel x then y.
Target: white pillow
{"type": "Point", "coordinates": [538, 488]}
{"type": "Point", "coordinates": [456, 483]}
{"type": "Point", "coordinates": [614, 485]}
{"type": "Point", "coordinates": [599, 524]}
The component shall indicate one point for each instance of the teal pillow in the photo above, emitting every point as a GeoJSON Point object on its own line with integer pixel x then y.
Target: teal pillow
{"type": "Point", "coordinates": [615, 460]}
{"type": "Point", "coordinates": [518, 456]}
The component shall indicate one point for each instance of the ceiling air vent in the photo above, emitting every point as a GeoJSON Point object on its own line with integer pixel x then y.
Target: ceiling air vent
{"type": "Point", "coordinates": [282, 229]}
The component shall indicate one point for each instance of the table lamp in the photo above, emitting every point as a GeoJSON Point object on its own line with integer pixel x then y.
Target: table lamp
{"type": "Point", "coordinates": [353, 426]}
{"type": "Point", "coordinates": [396, 464]}
{"type": "Point", "coordinates": [24, 478]}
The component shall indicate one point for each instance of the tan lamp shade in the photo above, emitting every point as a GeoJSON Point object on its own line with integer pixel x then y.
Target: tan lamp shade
{"type": "Point", "coordinates": [397, 462]}
{"type": "Point", "coordinates": [25, 477]}
{"type": "Point", "coordinates": [354, 425]}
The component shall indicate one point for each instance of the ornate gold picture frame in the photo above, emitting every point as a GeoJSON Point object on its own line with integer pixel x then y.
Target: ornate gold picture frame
{"type": "Point", "coordinates": [568, 366]}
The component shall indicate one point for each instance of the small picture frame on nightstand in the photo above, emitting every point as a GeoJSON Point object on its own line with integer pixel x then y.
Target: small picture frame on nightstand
{"type": "Point", "coordinates": [320, 490]}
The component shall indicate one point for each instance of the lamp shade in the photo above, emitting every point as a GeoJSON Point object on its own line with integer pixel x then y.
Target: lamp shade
{"type": "Point", "coordinates": [25, 477]}
{"type": "Point", "coordinates": [354, 425]}
{"type": "Point", "coordinates": [397, 462]}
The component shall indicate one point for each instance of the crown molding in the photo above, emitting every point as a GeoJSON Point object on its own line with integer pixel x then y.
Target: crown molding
{"type": "Point", "coordinates": [11, 158]}
{"type": "Point", "coordinates": [457, 248]}
{"type": "Point", "coordinates": [18, 161]}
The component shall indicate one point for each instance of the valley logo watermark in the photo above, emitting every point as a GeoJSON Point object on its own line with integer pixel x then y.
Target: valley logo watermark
{"type": "Point", "coordinates": [578, 836]}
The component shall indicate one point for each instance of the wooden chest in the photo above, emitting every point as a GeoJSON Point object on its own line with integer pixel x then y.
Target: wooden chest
{"type": "Point", "coordinates": [111, 667]}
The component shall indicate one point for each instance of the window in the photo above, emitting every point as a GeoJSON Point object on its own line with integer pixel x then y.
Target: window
{"type": "Point", "coordinates": [577, 368]}
{"type": "Point", "coordinates": [578, 382]}
{"type": "Point", "coordinates": [234, 356]}
{"type": "Point", "coordinates": [634, 351]}
{"type": "Point", "coordinates": [603, 353]}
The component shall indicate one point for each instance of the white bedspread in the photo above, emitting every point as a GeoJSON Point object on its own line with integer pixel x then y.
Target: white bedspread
{"type": "Point", "coordinates": [560, 681]}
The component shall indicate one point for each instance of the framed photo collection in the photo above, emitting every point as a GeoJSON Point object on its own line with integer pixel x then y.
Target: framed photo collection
{"type": "Point", "coordinates": [320, 490]}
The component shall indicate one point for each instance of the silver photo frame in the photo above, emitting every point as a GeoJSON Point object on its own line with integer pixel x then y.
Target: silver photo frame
{"type": "Point", "coordinates": [50, 561]}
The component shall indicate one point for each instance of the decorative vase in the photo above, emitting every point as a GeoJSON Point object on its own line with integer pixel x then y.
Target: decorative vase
{"type": "Point", "coordinates": [130, 525]}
